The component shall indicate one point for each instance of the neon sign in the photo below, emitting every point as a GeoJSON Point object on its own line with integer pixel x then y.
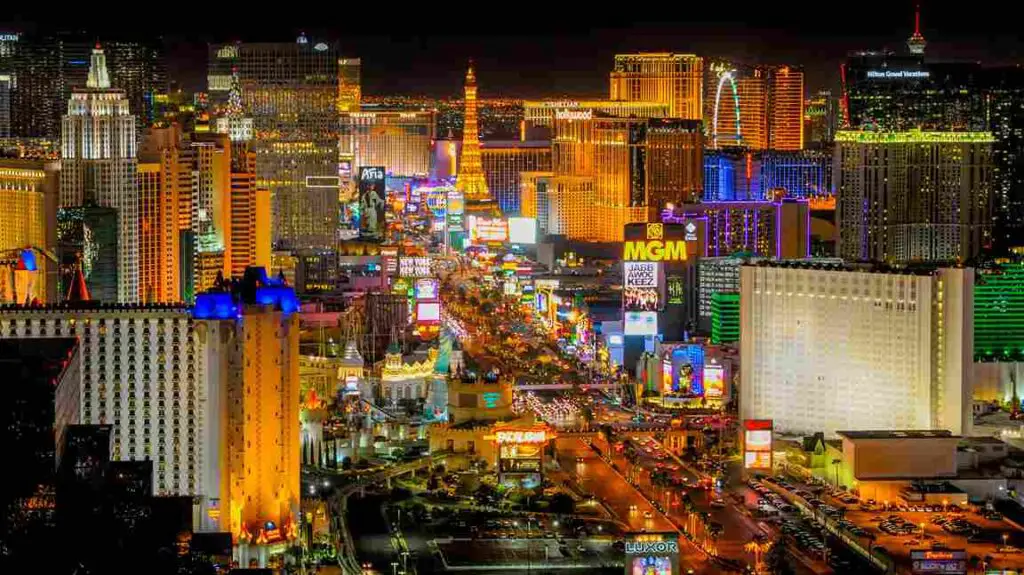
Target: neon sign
{"type": "Point", "coordinates": [655, 251]}
{"type": "Point", "coordinates": [651, 547]}
{"type": "Point", "coordinates": [574, 114]}
{"type": "Point", "coordinates": [521, 436]}
{"type": "Point", "coordinates": [898, 74]}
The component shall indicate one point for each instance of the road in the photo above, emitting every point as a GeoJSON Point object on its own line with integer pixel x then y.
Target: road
{"type": "Point", "coordinates": [595, 476]}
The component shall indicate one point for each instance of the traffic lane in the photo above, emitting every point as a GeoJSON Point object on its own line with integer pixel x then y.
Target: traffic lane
{"type": "Point", "coordinates": [594, 476]}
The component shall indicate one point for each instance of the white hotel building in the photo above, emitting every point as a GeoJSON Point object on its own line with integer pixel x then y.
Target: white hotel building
{"type": "Point", "coordinates": [139, 373]}
{"type": "Point", "coordinates": [827, 348]}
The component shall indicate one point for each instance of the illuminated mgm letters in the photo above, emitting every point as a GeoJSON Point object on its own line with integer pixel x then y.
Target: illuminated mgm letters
{"type": "Point", "coordinates": [655, 247]}
{"type": "Point", "coordinates": [655, 251]}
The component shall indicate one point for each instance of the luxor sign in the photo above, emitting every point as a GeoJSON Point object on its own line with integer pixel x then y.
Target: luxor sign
{"type": "Point", "coordinates": [651, 547]}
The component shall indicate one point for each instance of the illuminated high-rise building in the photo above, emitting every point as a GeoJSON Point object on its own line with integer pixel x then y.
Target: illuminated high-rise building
{"type": "Point", "coordinates": [291, 92]}
{"type": "Point", "coordinates": [820, 119]}
{"type": "Point", "coordinates": [673, 79]}
{"type": "Point", "coordinates": [913, 196]}
{"type": "Point", "coordinates": [609, 172]}
{"type": "Point", "coordinates": [350, 91]}
{"type": "Point", "coordinates": [471, 180]}
{"type": "Point", "coordinates": [48, 69]}
{"type": "Point", "coordinates": [504, 161]}
{"type": "Point", "coordinates": [87, 242]}
{"type": "Point", "coordinates": [398, 140]}
{"type": "Point", "coordinates": [916, 43]}
{"type": "Point", "coordinates": [9, 44]}
{"type": "Point", "coordinates": [252, 353]}
{"type": "Point", "coordinates": [28, 219]}
{"type": "Point", "coordinates": [828, 348]}
{"type": "Point", "coordinates": [785, 108]}
{"type": "Point", "coordinates": [139, 372]}
{"type": "Point", "coordinates": [158, 235]}
{"type": "Point", "coordinates": [250, 218]}
{"type": "Point", "coordinates": [98, 162]}
{"type": "Point", "coordinates": [539, 115]}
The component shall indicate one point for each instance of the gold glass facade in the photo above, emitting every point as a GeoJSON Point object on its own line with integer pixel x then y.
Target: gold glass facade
{"type": "Point", "coordinates": [786, 109]}
{"type": "Point", "coordinates": [399, 141]}
{"type": "Point", "coordinates": [28, 204]}
{"type": "Point", "coordinates": [350, 91]}
{"type": "Point", "coordinates": [158, 236]}
{"type": "Point", "coordinates": [503, 162]}
{"type": "Point", "coordinates": [673, 79]}
{"type": "Point", "coordinates": [250, 218]}
{"type": "Point", "coordinates": [608, 172]}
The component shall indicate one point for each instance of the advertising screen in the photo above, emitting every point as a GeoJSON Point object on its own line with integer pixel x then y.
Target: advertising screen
{"type": "Point", "coordinates": [714, 381]}
{"type": "Point", "coordinates": [939, 561]}
{"type": "Point", "coordinates": [487, 230]}
{"type": "Point", "coordinates": [372, 201]}
{"type": "Point", "coordinates": [640, 299]}
{"type": "Point", "coordinates": [757, 444]}
{"type": "Point", "coordinates": [640, 323]}
{"type": "Point", "coordinates": [428, 312]}
{"type": "Point", "coordinates": [666, 376]}
{"type": "Point", "coordinates": [426, 288]}
{"type": "Point", "coordinates": [522, 230]}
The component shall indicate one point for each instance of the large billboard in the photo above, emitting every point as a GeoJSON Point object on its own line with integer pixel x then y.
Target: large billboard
{"type": "Point", "coordinates": [945, 561]}
{"type": "Point", "coordinates": [641, 286]}
{"type": "Point", "coordinates": [640, 323]}
{"type": "Point", "coordinates": [757, 444]}
{"type": "Point", "coordinates": [714, 380]}
{"type": "Point", "coordinates": [652, 553]}
{"type": "Point", "coordinates": [487, 230]}
{"type": "Point", "coordinates": [372, 202]}
{"type": "Point", "coordinates": [522, 230]}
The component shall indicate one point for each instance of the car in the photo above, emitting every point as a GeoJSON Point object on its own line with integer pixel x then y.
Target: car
{"type": "Point", "coordinates": [718, 502]}
{"type": "Point", "coordinates": [648, 515]}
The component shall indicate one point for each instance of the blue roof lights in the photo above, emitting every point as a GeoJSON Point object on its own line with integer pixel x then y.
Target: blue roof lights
{"type": "Point", "coordinates": [216, 305]}
{"type": "Point", "coordinates": [279, 296]}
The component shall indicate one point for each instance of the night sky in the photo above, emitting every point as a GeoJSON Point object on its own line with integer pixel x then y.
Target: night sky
{"type": "Point", "coordinates": [537, 49]}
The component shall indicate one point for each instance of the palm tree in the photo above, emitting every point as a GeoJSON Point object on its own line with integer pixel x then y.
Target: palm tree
{"type": "Point", "coordinates": [759, 548]}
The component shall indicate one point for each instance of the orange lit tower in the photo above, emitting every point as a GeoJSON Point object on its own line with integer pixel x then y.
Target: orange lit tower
{"type": "Point", "coordinates": [471, 181]}
{"type": "Point", "coordinates": [786, 109]}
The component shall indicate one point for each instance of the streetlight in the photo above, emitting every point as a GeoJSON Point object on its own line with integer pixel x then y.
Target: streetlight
{"type": "Point", "coordinates": [1006, 536]}
{"type": "Point", "coordinates": [394, 568]}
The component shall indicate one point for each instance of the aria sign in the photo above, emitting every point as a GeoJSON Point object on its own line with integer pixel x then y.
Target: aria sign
{"type": "Point", "coordinates": [651, 547]}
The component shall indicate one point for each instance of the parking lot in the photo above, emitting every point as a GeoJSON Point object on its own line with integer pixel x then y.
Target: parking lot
{"type": "Point", "coordinates": [901, 528]}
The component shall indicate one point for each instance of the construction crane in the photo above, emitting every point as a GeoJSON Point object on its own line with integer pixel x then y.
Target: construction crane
{"type": "Point", "coordinates": [22, 259]}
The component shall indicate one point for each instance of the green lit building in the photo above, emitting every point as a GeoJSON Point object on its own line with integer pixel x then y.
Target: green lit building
{"type": "Point", "coordinates": [725, 318]}
{"type": "Point", "coordinates": [999, 313]}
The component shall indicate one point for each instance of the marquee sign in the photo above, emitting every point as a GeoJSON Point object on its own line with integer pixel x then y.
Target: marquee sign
{"type": "Point", "coordinates": [538, 436]}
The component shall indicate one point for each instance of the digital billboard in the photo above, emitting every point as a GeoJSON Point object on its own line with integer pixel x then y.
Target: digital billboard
{"type": "Point", "coordinates": [640, 299]}
{"type": "Point", "coordinates": [522, 230]}
{"type": "Point", "coordinates": [487, 230]}
{"type": "Point", "coordinates": [757, 444]}
{"type": "Point", "coordinates": [652, 553]}
{"type": "Point", "coordinates": [426, 288]}
{"type": "Point", "coordinates": [947, 561]}
{"type": "Point", "coordinates": [640, 323]}
{"type": "Point", "coordinates": [714, 380]}
{"type": "Point", "coordinates": [372, 202]}
{"type": "Point", "coordinates": [428, 312]}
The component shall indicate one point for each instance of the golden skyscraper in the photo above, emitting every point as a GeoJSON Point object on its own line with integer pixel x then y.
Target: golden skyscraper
{"type": "Point", "coordinates": [673, 79]}
{"type": "Point", "coordinates": [786, 109]}
{"type": "Point", "coordinates": [470, 180]}
{"type": "Point", "coordinates": [158, 234]}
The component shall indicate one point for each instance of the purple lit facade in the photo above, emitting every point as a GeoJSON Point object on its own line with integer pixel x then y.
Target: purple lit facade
{"type": "Point", "coordinates": [779, 230]}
